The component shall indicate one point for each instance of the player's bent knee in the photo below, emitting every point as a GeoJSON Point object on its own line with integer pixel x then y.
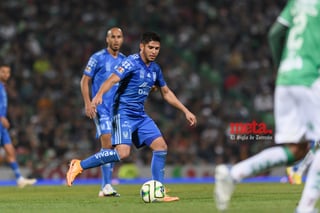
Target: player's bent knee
{"type": "Point", "coordinates": [159, 144]}
{"type": "Point", "coordinates": [299, 150]}
{"type": "Point", "coordinates": [123, 152]}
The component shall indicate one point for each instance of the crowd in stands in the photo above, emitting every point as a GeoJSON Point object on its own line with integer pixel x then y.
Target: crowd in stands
{"type": "Point", "coordinates": [214, 55]}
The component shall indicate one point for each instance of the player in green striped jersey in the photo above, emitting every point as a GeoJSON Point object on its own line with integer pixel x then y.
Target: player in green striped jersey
{"type": "Point", "coordinates": [295, 44]}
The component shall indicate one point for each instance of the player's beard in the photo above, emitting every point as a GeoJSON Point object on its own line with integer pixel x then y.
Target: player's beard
{"type": "Point", "coordinates": [115, 49]}
{"type": "Point", "coordinates": [151, 58]}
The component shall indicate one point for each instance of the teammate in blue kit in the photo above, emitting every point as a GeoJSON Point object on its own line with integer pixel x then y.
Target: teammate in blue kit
{"type": "Point", "coordinates": [5, 140]}
{"type": "Point", "coordinates": [136, 75]}
{"type": "Point", "coordinates": [97, 70]}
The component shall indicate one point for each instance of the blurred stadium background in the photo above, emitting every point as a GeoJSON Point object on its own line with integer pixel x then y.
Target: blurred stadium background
{"type": "Point", "coordinates": [214, 55]}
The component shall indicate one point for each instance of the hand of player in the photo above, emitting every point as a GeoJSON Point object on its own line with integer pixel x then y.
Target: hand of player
{"type": "Point", "coordinates": [96, 101]}
{"type": "Point", "coordinates": [90, 111]}
{"type": "Point", "coordinates": [154, 88]}
{"type": "Point", "coordinates": [191, 118]}
{"type": "Point", "coordinates": [5, 122]}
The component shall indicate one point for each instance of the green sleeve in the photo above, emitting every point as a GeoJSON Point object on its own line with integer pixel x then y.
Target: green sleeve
{"type": "Point", "coordinates": [276, 38]}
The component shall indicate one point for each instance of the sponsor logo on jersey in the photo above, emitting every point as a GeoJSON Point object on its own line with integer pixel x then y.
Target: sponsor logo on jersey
{"type": "Point", "coordinates": [87, 69]}
{"type": "Point", "coordinates": [144, 84]}
{"type": "Point", "coordinates": [125, 134]}
{"type": "Point", "coordinates": [120, 69]}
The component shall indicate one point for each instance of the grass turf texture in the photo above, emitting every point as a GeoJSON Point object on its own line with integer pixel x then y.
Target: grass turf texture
{"type": "Point", "coordinates": [257, 197]}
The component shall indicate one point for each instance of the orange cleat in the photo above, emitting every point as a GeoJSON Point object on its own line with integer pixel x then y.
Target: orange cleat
{"type": "Point", "coordinates": [170, 199]}
{"type": "Point", "coordinates": [74, 170]}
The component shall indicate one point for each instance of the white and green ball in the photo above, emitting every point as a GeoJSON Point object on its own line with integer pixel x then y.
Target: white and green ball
{"type": "Point", "coordinates": [152, 191]}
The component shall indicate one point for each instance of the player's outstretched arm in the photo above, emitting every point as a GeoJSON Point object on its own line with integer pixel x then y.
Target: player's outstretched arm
{"type": "Point", "coordinates": [105, 87]}
{"type": "Point", "coordinates": [172, 99]}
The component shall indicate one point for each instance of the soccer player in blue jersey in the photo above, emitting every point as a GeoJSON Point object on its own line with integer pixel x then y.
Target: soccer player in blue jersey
{"type": "Point", "coordinates": [5, 140]}
{"type": "Point", "coordinates": [97, 70]}
{"type": "Point", "coordinates": [136, 75]}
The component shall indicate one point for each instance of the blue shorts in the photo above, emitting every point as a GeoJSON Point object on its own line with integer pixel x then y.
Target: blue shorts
{"type": "Point", "coordinates": [140, 130]}
{"type": "Point", "coordinates": [103, 125]}
{"type": "Point", "coordinates": [4, 136]}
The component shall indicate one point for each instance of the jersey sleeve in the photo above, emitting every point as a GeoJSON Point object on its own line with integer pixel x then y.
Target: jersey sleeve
{"type": "Point", "coordinates": [160, 82]}
{"type": "Point", "coordinates": [3, 102]}
{"type": "Point", "coordinates": [276, 39]}
{"type": "Point", "coordinates": [90, 68]}
{"type": "Point", "coordinates": [285, 18]}
{"type": "Point", "coordinates": [124, 68]}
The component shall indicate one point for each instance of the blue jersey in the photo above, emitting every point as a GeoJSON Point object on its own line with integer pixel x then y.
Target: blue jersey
{"type": "Point", "coordinates": [4, 134]}
{"type": "Point", "coordinates": [136, 82]}
{"type": "Point", "coordinates": [99, 68]}
{"type": "Point", "coordinates": [3, 101]}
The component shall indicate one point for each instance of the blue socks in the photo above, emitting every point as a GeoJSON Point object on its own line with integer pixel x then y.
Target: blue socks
{"type": "Point", "coordinates": [15, 168]}
{"type": "Point", "coordinates": [157, 165]}
{"type": "Point", "coordinates": [106, 173]}
{"type": "Point", "coordinates": [106, 156]}
{"type": "Point", "coordinates": [100, 158]}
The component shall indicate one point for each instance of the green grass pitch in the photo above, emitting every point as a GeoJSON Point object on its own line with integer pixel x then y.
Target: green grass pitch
{"type": "Point", "coordinates": [195, 198]}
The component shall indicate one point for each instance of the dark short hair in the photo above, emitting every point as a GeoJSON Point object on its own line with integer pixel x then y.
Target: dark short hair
{"type": "Point", "coordinates": [149, 36]}
{"type": "Point", "coordinates": [4, 64]}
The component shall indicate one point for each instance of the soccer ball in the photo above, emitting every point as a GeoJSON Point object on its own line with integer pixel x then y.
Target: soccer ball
{"type": "Point", "coordinates": [152, 191]}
